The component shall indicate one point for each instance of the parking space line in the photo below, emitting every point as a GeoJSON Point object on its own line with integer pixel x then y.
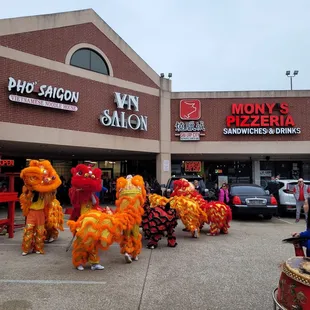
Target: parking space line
{"type": "Point", "coordinates": [285, 221]}
{"type": "Point", "coordinates": [51, 282]}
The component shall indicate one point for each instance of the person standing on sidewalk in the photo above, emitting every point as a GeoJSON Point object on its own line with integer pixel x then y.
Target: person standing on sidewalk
{"type": "Point", "coordinates": [301, 193]}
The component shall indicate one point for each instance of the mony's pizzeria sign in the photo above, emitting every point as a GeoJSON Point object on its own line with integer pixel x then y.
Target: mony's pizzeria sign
{"type": "Point", "coordinates": [260, 119]}
{"type": "Point", "coordinates": [190, 127]}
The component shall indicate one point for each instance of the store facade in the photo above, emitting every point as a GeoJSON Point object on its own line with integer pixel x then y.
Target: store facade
{"type": "Point", "coordinates": [242, 137]}
{"type": "Point", "coordinates": [72, 90]}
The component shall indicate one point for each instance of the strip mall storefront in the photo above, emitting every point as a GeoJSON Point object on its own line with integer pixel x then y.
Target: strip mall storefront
{"type": "Point", "coordinates": [72, 90]}
{"type": "Point", "coordinates": [241, 136]}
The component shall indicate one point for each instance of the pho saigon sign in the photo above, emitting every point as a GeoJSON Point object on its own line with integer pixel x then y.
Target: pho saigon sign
{"type": "Point", "coordinates": [260, 119]}
{"type": "Point", "coordinates": [190, 128]}
{"type": "Point", "coordinates": [46, 92]}
{"type": "Point", "coordinates": [121, 119]}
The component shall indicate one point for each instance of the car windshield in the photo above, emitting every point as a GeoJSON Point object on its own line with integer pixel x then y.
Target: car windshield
{"type": "Point", "coordinates": [247, 190]}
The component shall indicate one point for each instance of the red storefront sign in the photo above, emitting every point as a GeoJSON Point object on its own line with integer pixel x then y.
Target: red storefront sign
{"type": "Point", "coordinates": [260, 115]}
{"type": "Point", "coordinates": [260, 118]}
{"type": "Point", "coordinates": [192, 166]}
{"type": "Point", "coordinates": [190, 110]}
{"type": "Point", "coordinates": [6, 163]}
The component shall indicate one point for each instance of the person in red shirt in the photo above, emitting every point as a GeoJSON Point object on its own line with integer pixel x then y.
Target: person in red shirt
{"type": "Point", "coordinates": [301, 192]}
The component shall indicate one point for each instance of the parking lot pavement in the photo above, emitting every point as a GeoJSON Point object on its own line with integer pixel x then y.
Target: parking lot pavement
{"type": "Point", "coordinates": [234, 271]}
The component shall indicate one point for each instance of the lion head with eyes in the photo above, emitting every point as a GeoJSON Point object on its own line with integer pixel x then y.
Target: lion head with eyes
{"type": "Point", "coordinates": [87, 178]}
{"type": "Point", "coordinates": [40, 176]}
{"type": "Point", "coordinates": [182, 187]}
{"type": "Point", "coordinates": [130, 186]}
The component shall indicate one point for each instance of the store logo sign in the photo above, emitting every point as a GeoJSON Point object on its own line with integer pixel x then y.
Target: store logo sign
{"type": "Point", "coordinates": [260, 119]}
{"type": "Point", "coordinates": [120, 118]}
{"type": "Point", "coordinates": [190, 128]}
{"type": "Point", "coordinates": [23, 89]}
{"type": "Point", "coordinates": [190, 110]}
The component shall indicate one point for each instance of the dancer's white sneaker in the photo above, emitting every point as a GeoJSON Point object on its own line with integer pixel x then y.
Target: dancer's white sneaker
{"type": "Point", "coordinates": [96, 267]}
{"type": "Point", "coordinates": [24, 253]}
{"type": "Point", "coordinates": [195, 233]}
{"type": "Point", "coordinates": [128, 258]}
{"type": "Point", "coordinates": [81, 268]}
{"type": "Point", "coordinates": [135, 258]}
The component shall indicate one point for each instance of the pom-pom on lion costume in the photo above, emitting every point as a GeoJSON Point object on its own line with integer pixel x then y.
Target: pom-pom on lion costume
{"type": "Point", "coordinates": [40, 206]}
{"type": "Point", "coordinates": [85, 181]}
{"type": "Point", "coordinates": [96, 229]}
{"type": "Point", "coordinates": [216, 214]}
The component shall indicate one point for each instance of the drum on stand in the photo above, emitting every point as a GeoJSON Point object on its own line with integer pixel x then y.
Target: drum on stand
{"type": "Point", "coordinates": [293, 292]}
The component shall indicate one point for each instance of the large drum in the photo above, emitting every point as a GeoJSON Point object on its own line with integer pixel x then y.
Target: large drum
{"type": "Point", "coordinates": [293, 292]}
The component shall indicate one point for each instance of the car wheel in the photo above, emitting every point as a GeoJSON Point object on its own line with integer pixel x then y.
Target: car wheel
{"type": "Point", "coordinates": [268, 216]}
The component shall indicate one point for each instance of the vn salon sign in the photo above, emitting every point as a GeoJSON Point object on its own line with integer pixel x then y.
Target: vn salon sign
{"type": "Point", "coordinates": [260, 119]}
{"type": "Point", "coordinates": [126, 115]}
{"type": "Point", "coordinates": [190, 127]}
{"type": "Point", "coordinates": [46, 96]}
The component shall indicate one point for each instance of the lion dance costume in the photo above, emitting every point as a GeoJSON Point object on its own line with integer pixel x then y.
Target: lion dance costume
{"type": "Point", "coordinates": [40, 206]}
{"type": "Point", "coordinates": [186, 209]}
{"type": "Point", "coordinates": [98, 229]}
{"type": "Point", "coordinates": [216, 214]}
{"type": "Point", "coordinates": [158, 220]}
{"type": "Point", "coordinates": [85, 182]}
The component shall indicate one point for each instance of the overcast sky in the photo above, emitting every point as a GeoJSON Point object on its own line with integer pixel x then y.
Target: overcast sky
{"type": "Point", "coordinates": [207, 45]}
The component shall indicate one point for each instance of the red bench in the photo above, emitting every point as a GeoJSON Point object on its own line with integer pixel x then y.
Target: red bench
{"type": "Point", "coordinates": [10, 198]}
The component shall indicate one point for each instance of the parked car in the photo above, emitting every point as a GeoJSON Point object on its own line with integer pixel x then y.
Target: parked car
{"type": "Point", "coordinates": [252, 199]}
{"type": "Point", "coordinates": [286, 196]}
{"type": "Point", "coordinates": [168, 188]}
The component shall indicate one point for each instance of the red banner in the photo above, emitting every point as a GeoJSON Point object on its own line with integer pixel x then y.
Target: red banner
{"type": "Point", "coordinates": [192, 166]}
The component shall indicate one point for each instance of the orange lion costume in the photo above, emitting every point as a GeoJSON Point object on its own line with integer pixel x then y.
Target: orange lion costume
{"type": "Point", "coordinates": [216, 214]}
{"type": "Point", "coordinates": [40, 206]}
{"type": "Point", "coordinates": [96, 230]}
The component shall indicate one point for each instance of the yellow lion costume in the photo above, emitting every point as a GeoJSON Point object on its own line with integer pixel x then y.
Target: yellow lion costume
{"type": "Point", "coordinates": [98, 230]}
{"type": "Point", "coordinates": [40, 206]}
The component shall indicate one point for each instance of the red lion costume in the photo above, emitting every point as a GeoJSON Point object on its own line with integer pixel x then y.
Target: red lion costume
{"type": "Point", "coordinates": [85, 182]}
{"type": "Point", "coordinates": [218, 214]}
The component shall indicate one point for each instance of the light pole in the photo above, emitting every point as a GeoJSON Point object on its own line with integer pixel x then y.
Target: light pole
{"type": "Point", "coordinates": [288, 74]}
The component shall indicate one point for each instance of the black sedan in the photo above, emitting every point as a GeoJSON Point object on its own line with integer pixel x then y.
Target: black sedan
{"type": "Point", "coordinates": [252, 199]}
